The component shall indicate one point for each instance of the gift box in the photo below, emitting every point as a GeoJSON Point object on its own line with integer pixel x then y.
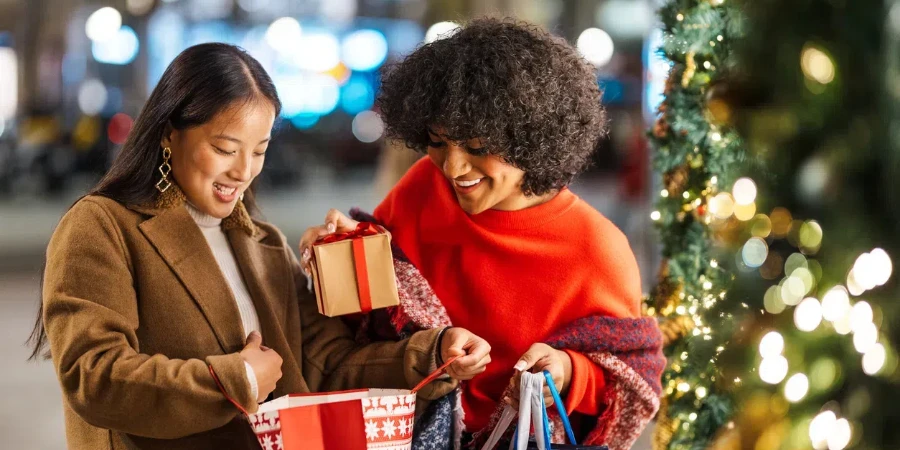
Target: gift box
{"type": "Point", "coordinates": [354, 272]}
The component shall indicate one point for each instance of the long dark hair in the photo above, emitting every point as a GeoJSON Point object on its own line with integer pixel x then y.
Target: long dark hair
{"type": "Point", "coordinates": [201, 82]}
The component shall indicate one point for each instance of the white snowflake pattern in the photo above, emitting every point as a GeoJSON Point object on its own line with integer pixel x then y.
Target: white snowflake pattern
{"type": "Point", "coordinates": [404, 427]}
{"type": "Point", "coordinates": [267, 443]}
{"type": "Point", "coordinates": [371, 430]}
{"type": "Point", "coordinates": [389, 429]}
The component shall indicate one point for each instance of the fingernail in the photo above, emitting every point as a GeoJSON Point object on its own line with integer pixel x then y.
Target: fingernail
{"type": "Point", "coordinates": [331, 228]}
{"type": "Point", "coordinates": [520, 366]}
{"type": "Point", "coordinates": [507, 400]}
{"type": "Point", "coordinates": [306, 253]}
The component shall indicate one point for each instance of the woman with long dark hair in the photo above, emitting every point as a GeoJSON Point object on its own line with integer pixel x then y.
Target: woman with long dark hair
{"type": "Point", "coordinates": [160, 277]}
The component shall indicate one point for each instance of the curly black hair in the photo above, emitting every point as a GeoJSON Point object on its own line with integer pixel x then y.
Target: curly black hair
{"type": "Point", "coordinates": [527, 95]}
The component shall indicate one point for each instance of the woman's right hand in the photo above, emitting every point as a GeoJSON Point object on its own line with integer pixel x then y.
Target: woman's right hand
{"type": "Point", "coordinates": [266, 364]}
{"type": "Point", "coordinates": [335, 222]}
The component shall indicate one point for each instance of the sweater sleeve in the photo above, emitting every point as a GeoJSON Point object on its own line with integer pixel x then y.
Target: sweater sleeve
{"type": "Point", "coordinates": [587, 386]}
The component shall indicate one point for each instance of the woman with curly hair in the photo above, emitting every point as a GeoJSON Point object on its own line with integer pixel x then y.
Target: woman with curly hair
{"type": "Point", "coordinates": [508, 115]}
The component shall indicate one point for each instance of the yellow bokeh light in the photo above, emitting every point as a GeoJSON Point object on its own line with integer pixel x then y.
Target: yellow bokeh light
{"type": "Point", "coordinates": [781, 222]}
{"type": "Point", "coordinates": [811, 236]}
{"type": "Point", "coordinates": [762, 226]}
{"type": "Point", "coordinates": [817, 65]}
{"type": "Point", "coordinates": [745, 212]}
{"type": "Point", "coordinates": [722, 205]}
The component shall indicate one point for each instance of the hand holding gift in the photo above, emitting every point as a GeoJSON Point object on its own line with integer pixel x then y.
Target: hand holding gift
{"type": "Point", "coordinates": [350, 264]}
{"type": "Point", "coordinates": [335, 222]}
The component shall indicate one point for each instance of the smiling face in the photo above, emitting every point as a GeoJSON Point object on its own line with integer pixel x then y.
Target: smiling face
{"type": "Point", "coordinates": [481, 181]}
{"type": "Point", "coordinates": [215, 163]}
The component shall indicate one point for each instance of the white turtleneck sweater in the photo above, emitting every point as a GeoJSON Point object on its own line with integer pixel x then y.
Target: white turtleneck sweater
{"type": "Point", "coordinates": [211, 227]}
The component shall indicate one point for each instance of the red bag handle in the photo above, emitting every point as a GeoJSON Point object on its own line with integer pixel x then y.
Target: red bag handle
{"type": "Point", "coordinates": [434, 375]}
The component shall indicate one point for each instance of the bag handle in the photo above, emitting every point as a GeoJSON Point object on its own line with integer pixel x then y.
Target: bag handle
{"type": "Point", "coordinates": [434, 375]}
{"type": "Point", "coordinates": [536, 409]}
{"type": "Point", "coordinates": [560, 407]}
{"type": "Point", "coordinates": [228, 397]}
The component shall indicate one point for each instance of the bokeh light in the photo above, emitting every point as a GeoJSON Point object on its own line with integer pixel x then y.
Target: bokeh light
{"type": "Point", "coordinates": [874, 359]}
{"type": "Point", "coordinates": [817, 65]}
{"type": "Point", "coordinates": [596, 46]}
{"type": "Point", "coordinates": [92, 96]}
{"type": "Point", "coordinates": [861, 315]}
{"type": "Point", "coordinates": [440, 30]}
{"type": "Point", "coordinates": [835, 304]}
{"type": "Point", "coordinates": [722, 205]}
{"type": "Point", "coordinates": [808, 314]}
{"type": "Point", "coordinates": [772, 344]}
{"type": "Point", "coordinates": [364, 50]}
{"type": "Point", "coordinates": [864, 337]}
{"type": "Point", "coordinates": [119, 50]}
{"type": "Point", "coordinates": [744, 212]}
{"type": "Point", "coordinates": [744, 191]}
{"type": "Point", "coordinates": [755, 252]}
{"type": "Point", "coordinates": [840, 435]}
{"type": "Point", "coordinates": [119, 127]}
{"type": "Point", "coordinates": [773, 369]}
{"type": "Point", "coordinates": [796, 387]}
{"type": "Point", "coordinates": [820, 428]}
{"type": "Point", "coordinates": [103, 24]}
{"type": "Point", "coordinates": [368, 126]}
{"type": "Point", "coordinates": [284, 34]}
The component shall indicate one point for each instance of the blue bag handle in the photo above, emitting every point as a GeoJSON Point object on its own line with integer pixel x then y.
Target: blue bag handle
{"type": "Point", "coordinates": [560, 407]}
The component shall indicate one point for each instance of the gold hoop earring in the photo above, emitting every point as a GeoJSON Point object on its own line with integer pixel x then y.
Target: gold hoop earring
{"type": "Point", "coordinates": [163, 184]}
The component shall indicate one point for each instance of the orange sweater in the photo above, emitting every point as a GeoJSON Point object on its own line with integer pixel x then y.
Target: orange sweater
{"type": "Point", "coordinates": [515, 277]}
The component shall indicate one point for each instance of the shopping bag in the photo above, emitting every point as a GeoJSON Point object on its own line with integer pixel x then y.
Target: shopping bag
{"type": "Point", "coordinates": [533, 412]}
{"type": "Point", "coordinates": [363, 419]}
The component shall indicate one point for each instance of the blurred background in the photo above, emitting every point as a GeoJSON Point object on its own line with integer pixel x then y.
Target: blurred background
{"type": "Point", "coordinates": [74, 74]}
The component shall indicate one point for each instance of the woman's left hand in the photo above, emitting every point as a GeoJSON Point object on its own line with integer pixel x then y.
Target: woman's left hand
{"type": "Point", "coordinates": [538, 358]}
{"type": "Point", "coordinates": [335, 222]}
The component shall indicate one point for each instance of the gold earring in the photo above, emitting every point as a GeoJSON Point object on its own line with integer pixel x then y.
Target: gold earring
{"type": "Point", "coordinates": [164, 169]}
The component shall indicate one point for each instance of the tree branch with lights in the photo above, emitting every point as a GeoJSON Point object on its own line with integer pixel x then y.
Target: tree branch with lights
{"type": "Point", "coordinates": [697, 153]}
{"type": "Point", "coordinates": [762, 310]}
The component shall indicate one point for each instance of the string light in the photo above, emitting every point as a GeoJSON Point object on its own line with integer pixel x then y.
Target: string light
{"type": "Point", "coordinates": [874, 359]}
{"type": "Point", "coordinates": [808, 315]}
{"type": "Point", "coordinates": [796, 387]}
{"type": "Point", "coordinates": [773, 369]}
{"type": "Point", "coordinates": [772, 344]}
{"type": "Point", "coordinates": [820, 428]}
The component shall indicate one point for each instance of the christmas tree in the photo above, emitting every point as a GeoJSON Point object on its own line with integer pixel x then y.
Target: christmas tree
{"type": "Point", "coordinates": [816, 103]}
{"type": "Point", "coordinates": [779, 146]}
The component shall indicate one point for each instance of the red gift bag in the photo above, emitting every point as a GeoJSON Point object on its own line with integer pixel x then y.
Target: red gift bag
{"type": "Point", "coordinates": [353, 420]}
{"type": "Point", "coordinates": [365, 419]}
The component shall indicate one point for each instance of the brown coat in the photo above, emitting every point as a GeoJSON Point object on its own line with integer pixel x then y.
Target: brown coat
{"type": "Point", "coordinates": [136, 310]}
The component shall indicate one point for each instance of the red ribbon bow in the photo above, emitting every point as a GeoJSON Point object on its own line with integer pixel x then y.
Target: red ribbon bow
{"type": "Point", "coordinates": [362, 230]}
{"type": "Point", "coordinates": [359, 259]}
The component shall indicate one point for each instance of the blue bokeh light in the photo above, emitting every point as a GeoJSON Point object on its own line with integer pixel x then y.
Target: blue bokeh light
{"type": "Point", "coordinates": [364, 50]}
{"type": "Point", "coordinates": [357, 95]}
{"type": "Point", "coordinates": [119, 50]}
